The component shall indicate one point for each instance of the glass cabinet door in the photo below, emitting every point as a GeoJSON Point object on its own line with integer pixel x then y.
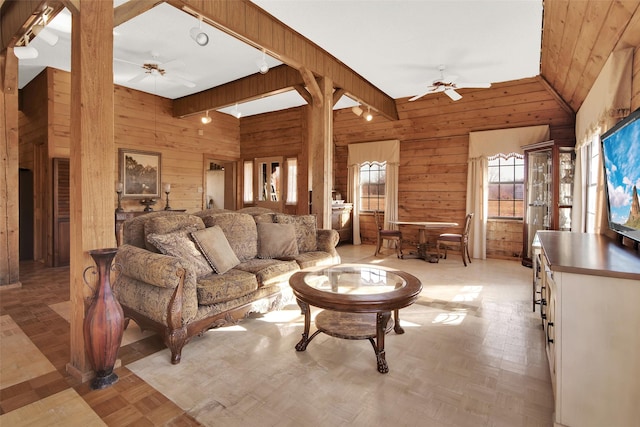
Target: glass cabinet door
{"type": "Point", "coordinates": [565, 189]}
{"type": "Point", "coordinates": [539, 194]}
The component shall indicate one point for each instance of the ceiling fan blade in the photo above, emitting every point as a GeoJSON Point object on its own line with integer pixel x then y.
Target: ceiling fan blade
{"type": "Point", "coordinates": [452, 94]}
{"type": "Point", "coordinates": [184, 82]}
{"type": "Point", "coordinates": [138, 78]}
{"type": "Point", "coordinates": [473, 85]}
{"type": "Point", "coordinates": [430, 89]}
{"type": "Point", "coordinates": [175, 63]}
{"type": "Point", "coordinates": [126, 62]}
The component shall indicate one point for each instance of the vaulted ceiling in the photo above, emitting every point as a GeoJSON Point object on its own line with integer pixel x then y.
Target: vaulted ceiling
{"type": "Point", "coordinates": [395, 46]}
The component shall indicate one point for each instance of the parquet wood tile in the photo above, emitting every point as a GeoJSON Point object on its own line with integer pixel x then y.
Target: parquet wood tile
{"type": "Point", "coordinates": [478, 361]}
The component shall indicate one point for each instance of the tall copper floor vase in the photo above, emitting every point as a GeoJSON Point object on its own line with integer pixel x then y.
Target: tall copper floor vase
{"type": "Point", "coordinates": [103, 322]}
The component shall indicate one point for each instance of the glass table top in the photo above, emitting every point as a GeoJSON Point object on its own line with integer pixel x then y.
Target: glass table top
{"type": "Point", "coordinates": [354, 280]}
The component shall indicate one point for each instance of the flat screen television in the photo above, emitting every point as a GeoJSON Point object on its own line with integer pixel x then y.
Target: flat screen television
{"type": "Point", "coordinates": [621, 160]}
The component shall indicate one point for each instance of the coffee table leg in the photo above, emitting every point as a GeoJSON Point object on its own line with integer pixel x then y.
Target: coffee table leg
{"type": "Point", "coordinates": [381, 325]}
{"type": "Point", "coordinates": [304, 308]}
{"type": "Point", "coordinates": [396, 324]}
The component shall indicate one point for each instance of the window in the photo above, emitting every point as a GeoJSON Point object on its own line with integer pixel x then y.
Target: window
{"type": "Point", "coordinates": [247, 193]}
{"type": "Point", "coordinates": [372, 185]}
{"type": "Point", "coordinates": [506, 186]}
{"type": "Point", "coordinates": [292, 181]}
{"type": "Point", "coordinates": [593, 168]}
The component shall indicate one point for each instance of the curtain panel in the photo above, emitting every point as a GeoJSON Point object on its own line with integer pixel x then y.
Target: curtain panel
{"type": "Point", "coordinates": [379, 151]}
{"type": "Point", "coordinates": [483, 145]}
{"type": "Point", "coordinates": [608, 101]}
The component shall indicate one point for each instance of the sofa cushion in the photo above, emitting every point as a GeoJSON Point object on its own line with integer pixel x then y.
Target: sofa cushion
{"type": "Point", "coordinates": [240, 230]}
{"type": "Point", "coordinates": [312, 259]}
{"type": "Point", "coordinates": [215, 247]}
{"type": "Point", "coordinates": [269, 271]}
{"type": "Point", "coordinates": [276, 240]}
{"type": "Point", "coordinates": [305, 226]}
{"type": "Point", "coordinates": [180, 245]}
{"type": "Point", "coordinates": [169, 223]}
{"type": "Point", "coordinates": [215, 288]}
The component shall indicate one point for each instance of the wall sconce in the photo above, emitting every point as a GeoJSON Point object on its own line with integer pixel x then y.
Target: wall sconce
{"type": "Point", "coordinates": [368, 117]}
{"type": "Point", "coordinates": [206, 119]}
{"type": "Point", "coordinates": [263, 67]}
{"type": "Point", "coordinates": [198, 35]}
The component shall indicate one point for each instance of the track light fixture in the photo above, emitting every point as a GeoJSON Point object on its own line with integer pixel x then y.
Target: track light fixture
{"type": "Point", "coordinates": [368, 117]}
{"type": "Point", "coordinates": [357, 110]}
{"type": "Point", "coordinates": [198, 35]}
{"type": "Point", "coordinates": [262, 64]}
{"type": "Point", "coordinates": [26, 51]}
{"type": "Point", "coordinates": [237, 113]}
{"type": "Point", "coordinates": [206, 119]}
{"type": "Point", "coordinates": [47, 35]}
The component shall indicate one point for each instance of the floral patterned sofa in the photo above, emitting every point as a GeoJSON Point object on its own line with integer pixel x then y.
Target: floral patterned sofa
{"type": "Point", "coordinates": [181, 274]}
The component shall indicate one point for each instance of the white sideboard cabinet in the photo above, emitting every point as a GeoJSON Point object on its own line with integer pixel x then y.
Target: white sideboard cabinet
{"type": "Point", "coordinates": [591, 297]}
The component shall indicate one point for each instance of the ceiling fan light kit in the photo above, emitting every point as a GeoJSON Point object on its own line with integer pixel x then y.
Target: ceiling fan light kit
{"type": "Point", "coordinates": [448, 85]}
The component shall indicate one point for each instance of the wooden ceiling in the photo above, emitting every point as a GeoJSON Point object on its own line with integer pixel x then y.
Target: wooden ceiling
{"type": "Point", "coordinates": [577, 39]}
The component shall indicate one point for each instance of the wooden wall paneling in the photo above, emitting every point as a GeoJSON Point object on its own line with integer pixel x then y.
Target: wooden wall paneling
{"type": "Point", "coordinates": [434, 145]}
{"type": "Point", "coordinates": [635, 82]}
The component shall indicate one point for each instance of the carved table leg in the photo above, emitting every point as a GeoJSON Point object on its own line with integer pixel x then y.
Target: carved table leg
{"type": "Point", "coordinates": [304, 308]}
{"type": "Point", "coordinates": [396, 326]}
{"type": "Point", "coordinates": [381, 325]}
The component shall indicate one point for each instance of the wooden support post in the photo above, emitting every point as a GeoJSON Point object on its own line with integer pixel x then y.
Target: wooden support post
{"type": "Point", "coordinates": [9, 210]}
{"type": "Point", "coordinates": [321, 153]}
{"type": "Point", "coordinates": [92, 156]}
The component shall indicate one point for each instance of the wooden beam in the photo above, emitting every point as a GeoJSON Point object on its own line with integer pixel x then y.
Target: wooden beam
{"type": "Point", "coordinates": [15, 17]}
{"type": "Point", "coordinates": [304, 93]}
{"type": "Point", "coordinates": [565, 106]}
{"type": "Point", "coordinates": [9, 72]}
{"type": "Point", "coordinates": [279, 79]}
{"type": "Point", "coordinates": [251, 24]}
{"type": "Point", "coordinates": [9, 203]}
{"type": "Point", "coordinates": [337, 94]}
{"type": "Point", "coordinates": [312, 86]}
{"type": "Point", "coordinates": [130, 10]}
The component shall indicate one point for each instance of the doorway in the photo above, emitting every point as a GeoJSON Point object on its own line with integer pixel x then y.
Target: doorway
{"type": "Point", "coordinates": [26, 218]}
{"type": "Point", "coordinates": [219, 188]}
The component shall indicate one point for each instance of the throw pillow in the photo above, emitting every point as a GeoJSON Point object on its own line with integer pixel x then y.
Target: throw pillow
{"type": "Point", "coordinates": [305, 226]}
{"type": "Point", "coordinates": [216, 249]}
{"type": "Point", "coordinates": [178, 244]}
{"type": "Point", "coordinates": [276, 240]}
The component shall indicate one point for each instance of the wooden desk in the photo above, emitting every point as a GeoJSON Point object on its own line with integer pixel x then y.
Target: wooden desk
{"type": "Point", "coordinates": [424, 226]}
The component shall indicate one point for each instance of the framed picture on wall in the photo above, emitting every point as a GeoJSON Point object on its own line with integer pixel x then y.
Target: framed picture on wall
{"type": "Point", "coordinates": [139, 173]}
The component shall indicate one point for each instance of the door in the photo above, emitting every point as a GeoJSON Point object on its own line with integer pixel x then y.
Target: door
{"type": "Point", "coordinates": [269, 179]}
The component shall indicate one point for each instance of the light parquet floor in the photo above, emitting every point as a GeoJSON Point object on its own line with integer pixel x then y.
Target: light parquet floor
{"type": "Point", "coordinates": [472, 355]}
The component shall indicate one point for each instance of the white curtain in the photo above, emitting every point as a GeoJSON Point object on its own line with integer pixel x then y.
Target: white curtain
{"type": "Point", "coordinates": [483, 145]}
{"type": "Point", "coordinates": [379, 151]}
{"type": "Point", "coordinates": [608, 101]}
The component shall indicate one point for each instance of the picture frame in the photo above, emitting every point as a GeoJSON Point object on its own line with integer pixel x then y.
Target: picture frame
{"type": "Point", "coordinates": [140, 173]}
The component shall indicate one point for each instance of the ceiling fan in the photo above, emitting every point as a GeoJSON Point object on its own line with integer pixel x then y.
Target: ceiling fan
{"type": "Point", "coordinates": [448, 85]}
{"type": "Point", "coordinates": [156, 69]}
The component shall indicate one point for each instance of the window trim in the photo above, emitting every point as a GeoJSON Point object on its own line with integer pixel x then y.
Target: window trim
{"type": "Point", "coordinates": [503, 156]}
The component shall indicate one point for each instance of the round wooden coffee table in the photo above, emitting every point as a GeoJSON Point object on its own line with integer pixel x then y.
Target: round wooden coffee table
{"type": "Point", "coordinates": [357, 300]}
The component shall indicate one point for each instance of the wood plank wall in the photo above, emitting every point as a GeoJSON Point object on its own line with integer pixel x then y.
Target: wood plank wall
{"type": "Point", "coordinates": [145, 122]}
{"type": "Point", "coordinates": [434, 138]}
{"type": "Point", "coordinates": [45, 135]}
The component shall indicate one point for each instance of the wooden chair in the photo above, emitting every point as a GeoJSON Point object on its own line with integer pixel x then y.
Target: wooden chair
{"type": "Point", "coordinates": [394, 235]}
{"type": "Point", "coordinates": [462, 240]}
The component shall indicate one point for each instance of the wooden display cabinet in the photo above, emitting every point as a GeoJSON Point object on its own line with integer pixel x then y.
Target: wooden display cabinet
{"type": "Point", "coordinates": [548, 197]}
